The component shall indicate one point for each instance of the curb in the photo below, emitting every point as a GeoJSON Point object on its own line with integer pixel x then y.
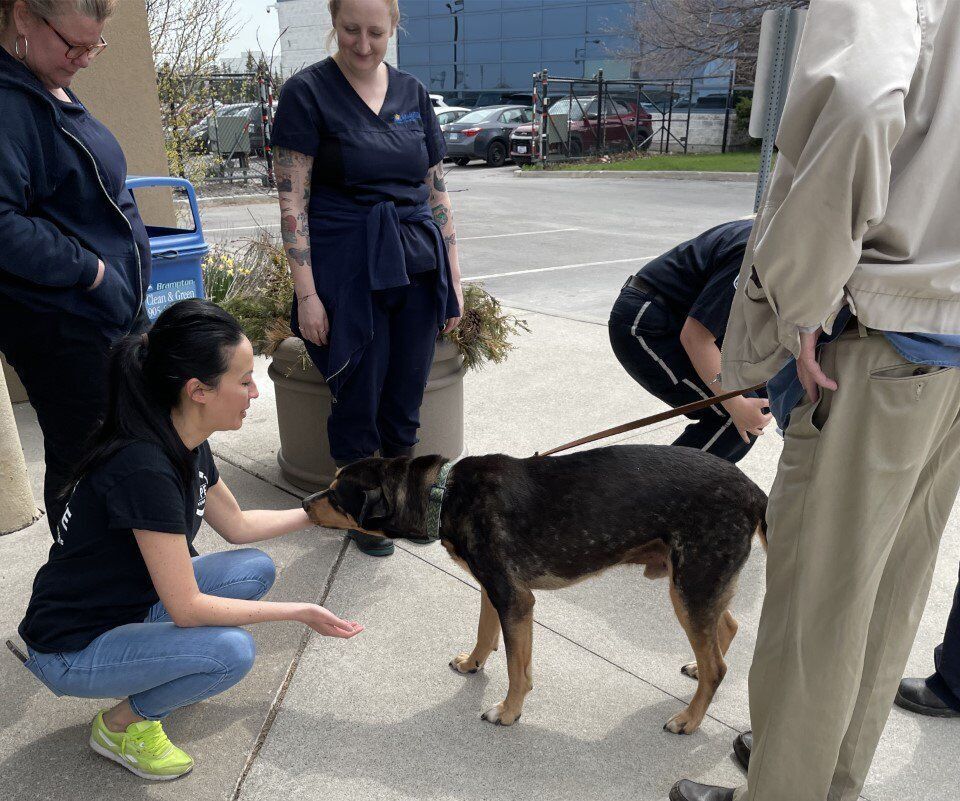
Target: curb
{"type": "Point", "coordinates": [642, 175]}
{"type": "Point", "coordinates": [233, 200]}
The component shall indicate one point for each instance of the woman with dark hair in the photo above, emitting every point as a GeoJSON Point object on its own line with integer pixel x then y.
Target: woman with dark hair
{"type": "Point", "coordinates": [75, 261]}
{"type": "Point", "coordinates": [120, 609]}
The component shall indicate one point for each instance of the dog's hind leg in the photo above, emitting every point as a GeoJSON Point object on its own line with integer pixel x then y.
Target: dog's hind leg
{"type": "Point", "coordinates": [703, 633]}
{"type": "Point", "coordinates": [517, 621]}
{"type": "Point", "coordinates": [726, 630]}
{"type": "Point", "coordinates": [488, 638]}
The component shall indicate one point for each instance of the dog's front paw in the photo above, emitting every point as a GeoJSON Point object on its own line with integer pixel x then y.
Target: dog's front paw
{"type": "Point", "coordinates": [690, 669]}
{"type": "Point", "coordinates": [682, 723]}
{"type": "Point", "coordinates": [465, 663]}
{"type": "Point", "coordinates": [500, 716]}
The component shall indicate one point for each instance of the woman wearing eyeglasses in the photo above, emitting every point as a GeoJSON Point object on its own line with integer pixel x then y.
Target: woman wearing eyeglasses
{"type": "Point", "coordinates": [75, 260]}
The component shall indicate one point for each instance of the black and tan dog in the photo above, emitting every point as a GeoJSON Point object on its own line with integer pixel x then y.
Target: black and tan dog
{"type": "Point", "coordinates": [520, 525]}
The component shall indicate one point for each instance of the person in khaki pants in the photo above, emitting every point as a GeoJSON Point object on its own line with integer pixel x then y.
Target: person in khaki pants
{"type": "Point", "coordinates": [847, 304]}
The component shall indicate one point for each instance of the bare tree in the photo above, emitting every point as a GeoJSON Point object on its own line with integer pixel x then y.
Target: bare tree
{"type": "Point", "coordinates": [674, 36]}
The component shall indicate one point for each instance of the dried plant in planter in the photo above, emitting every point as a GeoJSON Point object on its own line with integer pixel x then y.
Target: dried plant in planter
{"type": "Point", "coordinates": [260, 292]}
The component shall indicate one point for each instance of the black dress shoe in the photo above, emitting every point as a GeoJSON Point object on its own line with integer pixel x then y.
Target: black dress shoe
{"type": "Point", "coordinates": [742, 747]}
{"type": "Point", "coordinates": [685, 790]}
{"type": "Point", "coordinates": [915, 696]}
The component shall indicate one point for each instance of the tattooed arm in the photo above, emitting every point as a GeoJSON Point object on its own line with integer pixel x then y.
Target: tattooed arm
{"type": "Point", "coordinates": [293, 171]}
{"type": "Point", "coordinates": [439, 202]}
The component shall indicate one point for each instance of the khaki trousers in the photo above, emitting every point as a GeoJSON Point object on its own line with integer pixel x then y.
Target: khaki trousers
{"type": "Point", "coordinates": [865, 484]}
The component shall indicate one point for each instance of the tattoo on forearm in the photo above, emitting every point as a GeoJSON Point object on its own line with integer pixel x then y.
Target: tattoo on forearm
{"type": "Point", "coordinates": [288, 229]}
{"type": "Point", "coordinates": [451, 240]}
{"type": "Point", "coordinates": [283, 157]}
{"type": "Point", "coordinates": [284, 184]}
{"type": "Point", "coordinates": [303, 226]}
{"type": "Point", "coordinates": [438, 182]}
{"type": "Point", "coordinates": [441, 215]}
{"type": "Point", "coordinates": [299, 256]}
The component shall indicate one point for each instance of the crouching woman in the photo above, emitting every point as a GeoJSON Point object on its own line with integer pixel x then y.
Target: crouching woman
{"type": "Point", "coordinates": [124, 606]}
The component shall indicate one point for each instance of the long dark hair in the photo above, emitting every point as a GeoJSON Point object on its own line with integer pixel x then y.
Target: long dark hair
{"type": "Point", "coordinates": [190, 339]}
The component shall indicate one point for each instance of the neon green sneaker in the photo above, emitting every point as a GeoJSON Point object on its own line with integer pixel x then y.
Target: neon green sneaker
{"type": "Point", "coordinates": [142, 749]}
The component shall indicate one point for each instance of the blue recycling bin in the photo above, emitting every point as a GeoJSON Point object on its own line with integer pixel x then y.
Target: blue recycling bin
{"type": "Point", "coordinates": [176, 254]}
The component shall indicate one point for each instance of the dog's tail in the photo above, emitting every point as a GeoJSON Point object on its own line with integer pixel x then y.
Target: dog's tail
{"type": "Point", "coordinates": [761, 530]}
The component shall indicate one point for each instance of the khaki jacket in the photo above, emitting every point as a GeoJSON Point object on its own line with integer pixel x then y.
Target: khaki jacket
{"type": "Point", "coordinates": [864, 203]}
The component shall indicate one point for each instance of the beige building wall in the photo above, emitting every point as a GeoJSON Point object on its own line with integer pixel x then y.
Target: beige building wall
{"type": "Point", "coordinates": [120, 89]}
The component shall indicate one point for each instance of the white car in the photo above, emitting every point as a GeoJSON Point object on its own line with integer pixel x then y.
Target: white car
{"type": "Point", "coordinates": [448, 114]}
{"type": "Point", "coordinates": [438, 101]}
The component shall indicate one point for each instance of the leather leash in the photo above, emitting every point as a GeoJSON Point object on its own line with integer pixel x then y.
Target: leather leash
{"type": "Point", "coordinates": [654, 418]}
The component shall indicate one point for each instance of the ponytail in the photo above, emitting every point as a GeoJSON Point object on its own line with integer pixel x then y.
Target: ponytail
{"type": "Point", "coordinates": [190, 339]}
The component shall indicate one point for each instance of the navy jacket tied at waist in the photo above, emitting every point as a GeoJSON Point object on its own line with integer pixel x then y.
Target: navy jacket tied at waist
{"type": "Point", "coordinates": [356, 250]}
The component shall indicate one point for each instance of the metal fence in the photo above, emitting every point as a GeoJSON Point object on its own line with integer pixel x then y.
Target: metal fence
{"type": "Point", "coordinates": [218, 126]}
{"type": "Point", "coordinates": [578, 118]}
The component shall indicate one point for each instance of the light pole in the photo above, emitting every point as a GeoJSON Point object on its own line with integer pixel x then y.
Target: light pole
{"type": "Point", "coordinates": [455, 7]}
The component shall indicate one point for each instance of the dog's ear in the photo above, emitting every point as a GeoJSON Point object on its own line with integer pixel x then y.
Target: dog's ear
{"type": "Point", "coordinates": [374, 508]}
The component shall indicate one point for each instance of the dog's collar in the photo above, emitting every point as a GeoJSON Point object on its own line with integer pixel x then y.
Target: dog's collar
{"type": "Point", "coordinates": [435, 502]}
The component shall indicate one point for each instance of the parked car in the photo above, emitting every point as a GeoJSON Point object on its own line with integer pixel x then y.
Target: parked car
{"type": "Point", "coordinates": [200, 132]}
{"type": "Point", "coordinates": [438, 101]}
{"type": "Point", "coordinates": [484, 134]}
{"type": "Point", "coordinates": [621, 119]}
{"type": "Point", "coordinates": [448, 114]}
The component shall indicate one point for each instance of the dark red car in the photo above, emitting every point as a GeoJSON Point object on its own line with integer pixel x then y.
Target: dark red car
{"type": "Point", "coordinates": [621, 124]}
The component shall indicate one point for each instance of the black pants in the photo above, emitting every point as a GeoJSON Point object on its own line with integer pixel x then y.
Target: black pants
{"type": "Point", "coordinates": [645, 336]}
{"type": "Point", "coordinates": [63, 362]}
{"type": "Point", "coordinates": [946, 681]}
{"type": "Point", "coordinates": [378, 407]}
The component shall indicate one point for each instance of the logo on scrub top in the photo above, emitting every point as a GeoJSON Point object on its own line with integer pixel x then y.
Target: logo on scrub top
{"type": "Point", "coordinates": [410, 116]}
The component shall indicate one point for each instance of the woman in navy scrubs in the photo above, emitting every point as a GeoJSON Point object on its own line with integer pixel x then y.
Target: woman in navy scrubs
{"type": "Point", "coordinates": [368, 231]}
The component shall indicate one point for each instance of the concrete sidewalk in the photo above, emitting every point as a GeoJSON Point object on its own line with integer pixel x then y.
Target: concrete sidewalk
{"type": "Point", "coordinates": [382, 716]}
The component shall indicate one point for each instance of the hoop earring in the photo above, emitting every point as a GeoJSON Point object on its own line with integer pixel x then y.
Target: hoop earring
{"type": "Point", "coordinates": [16, 47]}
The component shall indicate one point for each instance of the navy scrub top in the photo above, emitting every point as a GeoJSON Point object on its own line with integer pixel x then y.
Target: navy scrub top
{"type": "Point", "coordinates": [698, 278]}
{"type": "Point", "coordinates": [370, 226]}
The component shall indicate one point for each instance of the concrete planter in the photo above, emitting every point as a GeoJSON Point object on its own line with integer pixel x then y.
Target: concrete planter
{"type": "Point", "coordinates": [303, 405]}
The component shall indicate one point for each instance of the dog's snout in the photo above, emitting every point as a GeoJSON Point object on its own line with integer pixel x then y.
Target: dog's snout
{"type": "Point", "coordinates": [314, 498]}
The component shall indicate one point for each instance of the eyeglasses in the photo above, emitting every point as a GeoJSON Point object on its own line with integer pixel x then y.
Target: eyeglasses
{"type": "Point", "coordinates": [76, 51]}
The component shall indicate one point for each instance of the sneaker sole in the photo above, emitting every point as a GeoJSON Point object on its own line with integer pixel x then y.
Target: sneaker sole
{"type": "Point", "coordinates": [142, 774]}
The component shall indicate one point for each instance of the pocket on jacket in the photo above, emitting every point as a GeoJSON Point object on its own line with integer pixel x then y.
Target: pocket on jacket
{"type": "Point", "coordinates": [113, 297]}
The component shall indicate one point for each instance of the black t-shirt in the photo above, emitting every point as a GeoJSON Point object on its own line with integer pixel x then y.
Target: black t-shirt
{"type": "Point", "coordinates": [698, 278]}
{"type": "Point", "coordinates": [359, 156]}
{"type": "Point", "coordinates": [95, 578]}
{"type": "Point", "coordinates": [111, 167]}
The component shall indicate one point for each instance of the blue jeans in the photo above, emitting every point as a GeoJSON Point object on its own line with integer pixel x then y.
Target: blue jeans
{"type": "Point", "coordinates": [157, 665]}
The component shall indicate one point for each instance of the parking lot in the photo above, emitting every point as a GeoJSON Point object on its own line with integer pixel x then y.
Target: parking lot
{"type": "Point", "coordinates": [562, 247]}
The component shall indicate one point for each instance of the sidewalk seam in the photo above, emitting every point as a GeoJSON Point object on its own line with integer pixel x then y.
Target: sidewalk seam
{"type": "Point", "coordinates": [284, 685]}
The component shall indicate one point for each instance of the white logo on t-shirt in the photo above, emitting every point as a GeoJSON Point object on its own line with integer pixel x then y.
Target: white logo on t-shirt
{"type": "Point", "coordinates": [202, 500]}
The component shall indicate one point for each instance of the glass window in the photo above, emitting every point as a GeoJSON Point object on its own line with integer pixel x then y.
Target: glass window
{"type": "Point", "coordinates": [421, 72]}
{"type": "Point", "coordinates": [512, 115]}
{"type": "Point", "coordinates": [565, 69]}
{"type": "Point", "coordinates": [443, 53]}
{"type": "Point", "coordinates": [519, 75]}
{"type": "Point", "coordinates": [415, 31]}
{"type": "Point", "coordinates": [520, 24]}
{"type": "Point", "coordinates": [478, 116]}
{"type": "Point", "coordinates": [527, 115]}
{"type": "Point", "coordinates": [607, 17]}
{"type": "Point", "coordinates": [521, 50]}
{"type": "Point", "coordinates": [565, 49]}
{"type": "Point", "coordinates": [485, 5]}
{"type": "Point", "coordinates": [575, 107]}
{"type": "Point", "coordinates": [414, 8]}
{"type": "Point", "coordinates": [483, 51]}
{"type": "Point", "coordinates": [565, 21]}
{"type": "Point", "coordinates": [408, 54]}
{"type": "Point", "coordinates": [440, 78]}
{"type": "Point", "coordinates": [441, 29]}
{"type": "Point", "coordinates": [480, 26]}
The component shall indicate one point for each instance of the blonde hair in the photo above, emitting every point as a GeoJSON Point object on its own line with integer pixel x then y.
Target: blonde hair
{"type": "Point", "coordinates": [334, 6]}
{"type": "Point", "coordinates": [94, 9]}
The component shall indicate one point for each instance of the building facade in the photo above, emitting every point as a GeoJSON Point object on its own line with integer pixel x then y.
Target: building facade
{"type": "Point", "coordinates": [305, 28]}
{"type": "Point", "coordinates": [456, 46]}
